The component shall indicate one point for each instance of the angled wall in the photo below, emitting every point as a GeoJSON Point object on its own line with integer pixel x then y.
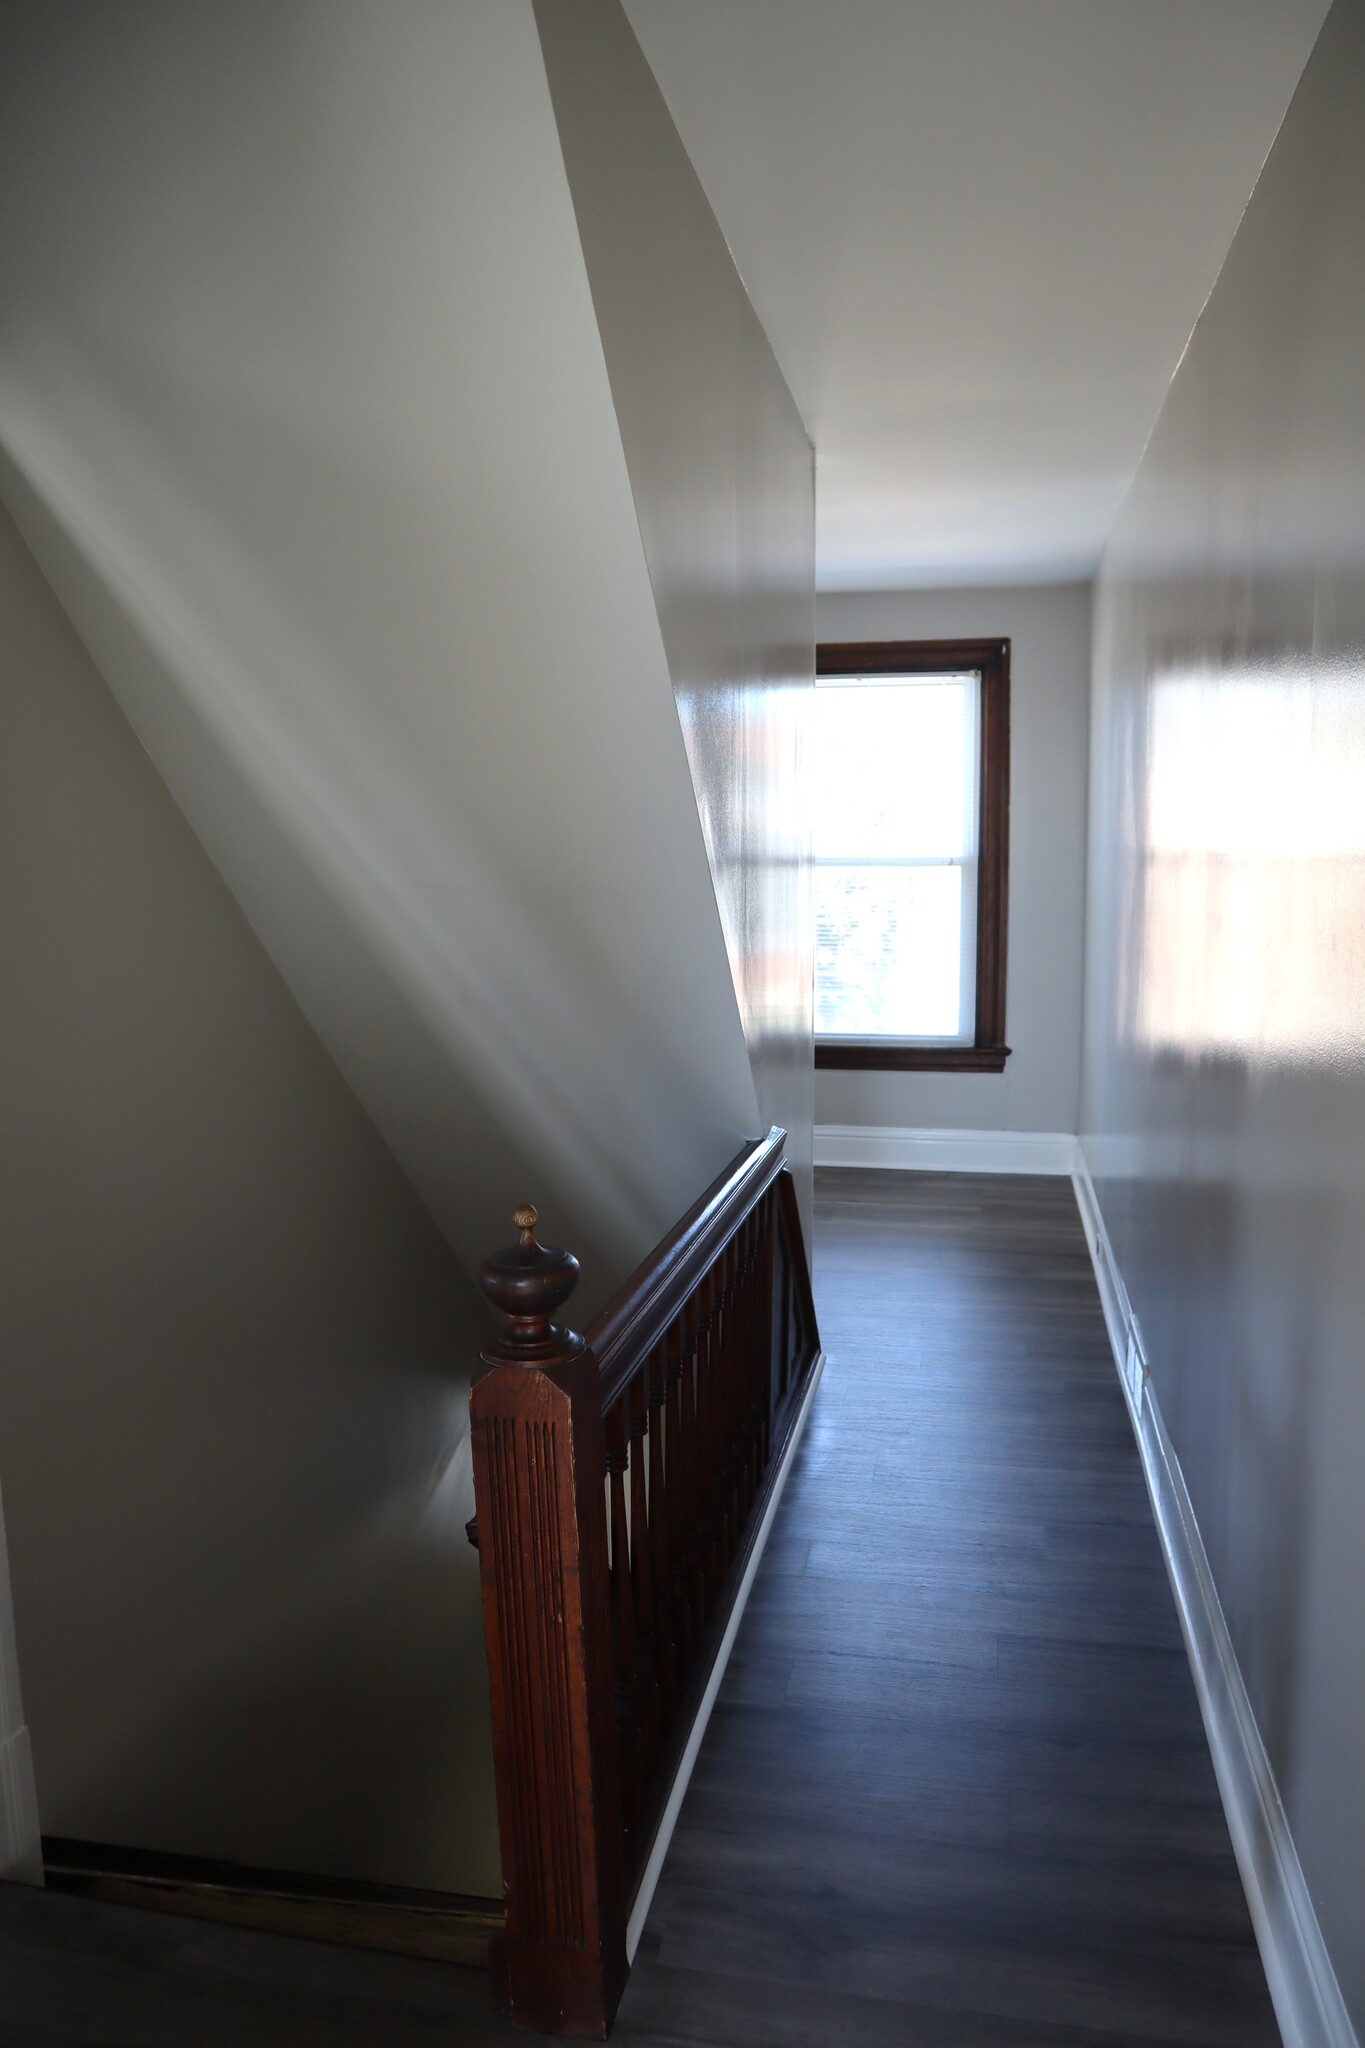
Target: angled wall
{"type": "Point", "coordinates": [1223, 1112]}
{"type": "Point", "coordinates": [304, 412]}
{"type": "Point", "coordinates": [305, 419]}
{"type": "Point", "coordinates": [723, 475]}
{"type": "Point", "coordinates": [236, 1349]}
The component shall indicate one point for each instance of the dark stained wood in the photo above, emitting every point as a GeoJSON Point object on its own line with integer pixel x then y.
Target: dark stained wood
{"type": "Point", "coordinates": [700, 1513]}
{"type": "Point", "coordinates": [610, 1557]}
{"type": "Point", "coordinates": [639, 1313]}
{"type": "Point", "coordinates": [988, 1053]}
{"type": "Point", "coordinates": [540, 1459]}
{"type": "Point", "coordinates": [786, 1416]}
{"type": "Point", "coordinates": [625, 1695]}
{"type": "Point", "coordinates": [442, 1926]}
{"type": "Point", "coordinates": [913, 1059]}
{"type": "Point", "coordinates": [642, 1548]}
{"type": "Point", "coordinates": [993, 869]}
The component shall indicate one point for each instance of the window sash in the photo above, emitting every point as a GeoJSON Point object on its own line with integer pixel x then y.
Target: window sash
{"type": "Point", "coordinates": [967, 862]}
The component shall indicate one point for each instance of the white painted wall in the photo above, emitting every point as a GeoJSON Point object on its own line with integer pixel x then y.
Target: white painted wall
{"type": "Point", "coordinates": [304, 411]}
{"type": "Point", "coordinates": [724, 480]}
{"type": "Point", "coordinates": [978, 233]}
{"type": "Point", "coordinates": [235, 1357]}
{"type": "Point", "coordinates": [1049, 628]}
{"type": "Point", "coordinates": [305, 419]}
{"type": "Point", "coordinates": [1223, 1113]}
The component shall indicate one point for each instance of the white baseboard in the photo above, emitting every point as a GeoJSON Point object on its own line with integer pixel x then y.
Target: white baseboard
{"type": "Point", "coordinates": [1303, 1985]}
{"type": "Point", "coordinates": [945, 1151]}
{"type": "Point", "coordinates": [644, 1897]}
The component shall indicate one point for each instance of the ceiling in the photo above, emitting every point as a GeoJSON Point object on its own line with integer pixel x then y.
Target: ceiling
{"type": "Point", "coordinates": [978, 233]}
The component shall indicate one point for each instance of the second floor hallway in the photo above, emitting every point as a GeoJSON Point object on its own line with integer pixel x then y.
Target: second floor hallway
{"type": "Point", "coordinates": [955, 1787]}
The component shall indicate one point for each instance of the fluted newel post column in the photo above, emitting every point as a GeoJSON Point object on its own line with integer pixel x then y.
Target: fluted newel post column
{"type": "Point", "coordinates": [540, 1461]}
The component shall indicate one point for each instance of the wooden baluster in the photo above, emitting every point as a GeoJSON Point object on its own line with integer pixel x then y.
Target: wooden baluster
{"type": "Point", "coordinates": [760, 1356]}
{"type": "Point", "coordinates": [711, 1357]}
{"type": "Point", "coordinates": [762, 1337]}
{"type": "Point", "coordinates": [659, 1537]}
{"type": "Point", "coordinates": [784, 1282]}
{"type": "Point", "coordinates": [705, 1395]}
{"type": "Point", "coordinates": [696, 1547]}
{"type": "Point", "coordinates": [642, 1577]}
{"type": "Point", "coordinates": [766, 1281]}
{"type": "Point", "coordinates": [606, 1545]}
{"type": "Point", "coordinates": [725, 1463]}
{"type": "Point", "coordinates": [539, 1457]}
{"type": "Point", "coordinates": [696, 1502]}
{"type": "Point", "coordinates": [680, 1499]}
{"type": "Point", "coordinates": [625, 1691]}
{"type": "Point", "coordinates": [743, 1363]}
{"type": "Point", "coordinates": [725, 1446]}
{"type": "Point", "coordinates": [744, 1376]}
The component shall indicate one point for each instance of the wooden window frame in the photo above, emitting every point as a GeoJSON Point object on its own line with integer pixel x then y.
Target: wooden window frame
{"type": "Point", "coordinates": [988, 1052]}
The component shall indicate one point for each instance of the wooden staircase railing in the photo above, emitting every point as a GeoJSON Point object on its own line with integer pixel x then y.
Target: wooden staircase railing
{"type": "Point", "coordinates": [620, 1480]}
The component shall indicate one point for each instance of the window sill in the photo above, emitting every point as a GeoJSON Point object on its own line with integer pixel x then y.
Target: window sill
{"type": "Point", "coordinates": [919, 1059]}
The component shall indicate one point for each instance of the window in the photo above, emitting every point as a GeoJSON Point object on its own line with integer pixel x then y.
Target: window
{"type": "Point", "coordinates": [911, 854]}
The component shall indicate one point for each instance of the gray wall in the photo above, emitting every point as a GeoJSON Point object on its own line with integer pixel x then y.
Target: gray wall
{"type": "Point", "coordinates": [1224, 1073]}
{"type": "Point", "coordinates": [305, 418]}
{"type": "Point", "coordinates": [724, 482]}
{"type": "Point", "coordinates": [235, 1353]}
{"type": "Point", "coordinates": [304, 411]}
{"type": "Point", "coordinates": [1049, 628]}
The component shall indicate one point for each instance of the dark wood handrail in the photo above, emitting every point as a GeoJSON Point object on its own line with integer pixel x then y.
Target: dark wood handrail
{"type": "Point", "coordinates": [625, 1331]}
{"type": "Point", "coordinates": [621, 1480]}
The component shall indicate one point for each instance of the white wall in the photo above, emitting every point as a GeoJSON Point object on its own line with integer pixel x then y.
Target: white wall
{"type": "Point", "coordinates": [724, 481]}
{"type": "Point", "coordinates": [978, 233]}
{"type": "Point", "coordinates": [1224, 1098]}
{"type": "Point", "coordinates": [235, 1356]}
{"type": "Point", "coordinates": [305, 418]}
{"type": "Point", "coordinates": [1049, 631]}
{"type": "Point", "coordinates": [303, 409]}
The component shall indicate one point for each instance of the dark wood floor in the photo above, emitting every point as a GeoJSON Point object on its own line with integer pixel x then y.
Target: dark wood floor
{"type": "Point", "coordinates": [955, 1791]}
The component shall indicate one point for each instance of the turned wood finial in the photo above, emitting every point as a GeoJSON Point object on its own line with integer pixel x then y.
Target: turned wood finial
{"type": "Point", "coordinates": [528, 1282]}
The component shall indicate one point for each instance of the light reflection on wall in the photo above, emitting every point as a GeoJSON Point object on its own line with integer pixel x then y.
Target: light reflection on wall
{"type": "Point", "coordinates": [1252, 879]}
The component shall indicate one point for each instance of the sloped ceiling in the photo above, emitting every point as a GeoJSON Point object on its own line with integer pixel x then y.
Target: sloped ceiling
{"type": "Point", "coordinates": [724, 484]}
{"type": "Point", "coordinates": [978, 234]}
{"type": "Point", "coordinates": [303, 412]}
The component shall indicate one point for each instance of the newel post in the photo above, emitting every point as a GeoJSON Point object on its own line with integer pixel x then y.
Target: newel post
{"type": "Point", "coordinates": [539, 1451]}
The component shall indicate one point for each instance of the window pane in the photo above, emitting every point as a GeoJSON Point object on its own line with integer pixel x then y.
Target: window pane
{"type": "Point", "coordinates": [893, 768]}
{"type": "Point", "coordinates": [888, 951]}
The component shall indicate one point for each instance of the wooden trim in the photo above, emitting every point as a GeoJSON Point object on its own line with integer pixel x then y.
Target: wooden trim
{"type": "Point", "coordinates": [714, 1644]}
{"type": "Point", "coordinates": [442, 1926]}
{"type": "Point", "coordinates": [607, 1594]}
{"type": "Point", "coordinates": [785, 1418]}
{"type": "Point", "coordinates": [988, 1052]}
{"type": "Point", "coordinates": [540, 1464]}
{"type": "Point", "coordinates": [993, 856]}
{"type": "Point", "coordinates": [906, 657]}
{"type": "Point", "coordinates": [800, 1270]}
{"type": "Point", "coordinates": [641, 1310]}
{"type": "Point", "coordinates": [752, 1557]}
{"type": "Point", "coordinates": [918, 1059]}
